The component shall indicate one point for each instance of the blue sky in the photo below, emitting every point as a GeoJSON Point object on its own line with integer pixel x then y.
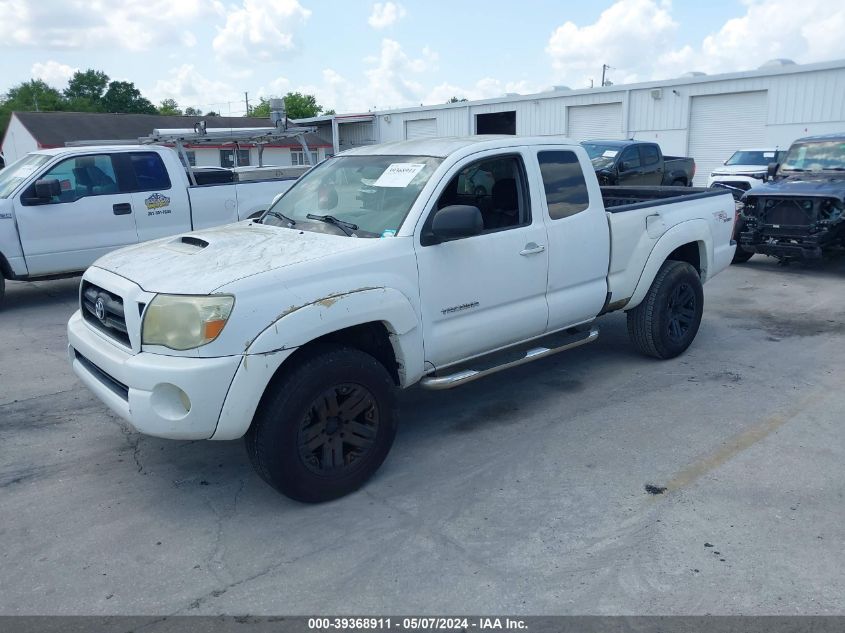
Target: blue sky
{"type": "Point", "coordinates": [359, 54]}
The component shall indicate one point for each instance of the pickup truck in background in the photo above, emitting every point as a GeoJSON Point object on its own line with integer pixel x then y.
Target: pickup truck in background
{"type": "Point", "coordinates": [294, 330]}
{"type": "Point", "coordinates": [61, 209]}
{"type": "Point", "coordinates": [799, 213]}
{"type": "Point", "coordinates": [638, 163]}
{"type": "Point", "coordinates": [745, 169]}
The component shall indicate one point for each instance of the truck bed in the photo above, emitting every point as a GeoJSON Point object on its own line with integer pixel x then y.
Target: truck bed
{"type": "Point", "coordinates": [620, 199]}
{"type": "Point", "coordinates": [639, 216]}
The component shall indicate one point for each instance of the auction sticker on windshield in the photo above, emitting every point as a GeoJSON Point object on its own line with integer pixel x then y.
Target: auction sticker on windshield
{"type": "Point", "coordinates": [609, 153]}
{"type": "Point", "coordinates": [399, 174]}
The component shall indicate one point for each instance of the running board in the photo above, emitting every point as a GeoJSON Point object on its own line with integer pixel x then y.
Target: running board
{"type": "Point", "coordinates": [518, 356]}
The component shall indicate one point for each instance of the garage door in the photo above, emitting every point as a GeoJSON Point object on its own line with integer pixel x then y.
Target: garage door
{"type": "Point", "coordinates": [595, 122]}
{"type": "Point", "coordinates": [421, 128]}
{"type": "Point", "coordinates": [722, 124]}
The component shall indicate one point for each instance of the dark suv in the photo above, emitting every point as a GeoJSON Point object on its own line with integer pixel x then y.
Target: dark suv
{"type": "Point", "coordinates": [798, 212]}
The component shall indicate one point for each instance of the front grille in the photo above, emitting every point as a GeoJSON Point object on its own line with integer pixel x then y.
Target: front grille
{"type": "Point", "coordinates": [786, 212]}
{"type": "Point", "coordinates": [111, 319]}
{"type": "Point", "coordinates": [112, 384]}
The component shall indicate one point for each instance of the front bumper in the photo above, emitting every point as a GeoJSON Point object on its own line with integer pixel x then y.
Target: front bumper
{"type": "Point", "coordinates": [167, 396]}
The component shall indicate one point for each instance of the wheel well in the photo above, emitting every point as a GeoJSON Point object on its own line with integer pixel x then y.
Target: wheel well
{"type": "Point", "coordinates": [5, 268]}
{"type": "Point", "coordinates": [680, 179]}
{"type": "Point", "coordinates": [371, 338]}
{"type": "Point", "coordinates": [689, 253]}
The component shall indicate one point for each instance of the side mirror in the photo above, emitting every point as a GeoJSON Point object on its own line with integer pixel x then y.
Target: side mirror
{"type": "Point", "coordinates": [772, 170]}
{"type": "Point", "coordinates": [46, 189]}
{"type": "Point", "coordinates": [456, 221]}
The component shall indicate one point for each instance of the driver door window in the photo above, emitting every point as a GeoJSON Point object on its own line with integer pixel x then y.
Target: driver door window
{"type": "Point", "coordinates": [630, 159]}
{"type": "Point", "coordinates": [79, 177]}
{"type": "Point", "coordinates": [497, 187]}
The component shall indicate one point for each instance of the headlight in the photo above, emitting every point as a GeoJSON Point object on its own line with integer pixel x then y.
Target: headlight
{"type": "Point", "coordinates": [185, 321]}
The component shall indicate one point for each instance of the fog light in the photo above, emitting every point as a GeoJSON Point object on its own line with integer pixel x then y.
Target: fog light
{"type": "Point", "coordinates": [170, 402]}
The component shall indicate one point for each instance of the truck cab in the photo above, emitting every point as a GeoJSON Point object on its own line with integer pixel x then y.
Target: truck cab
{"type": "Point", "coordinates": [638, 163]}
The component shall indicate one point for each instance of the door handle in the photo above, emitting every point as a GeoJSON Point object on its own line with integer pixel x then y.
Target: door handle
{"type": "Point", "coordinates": [122, 208]}
{"type": "Point", "coordinates": [532, 248]}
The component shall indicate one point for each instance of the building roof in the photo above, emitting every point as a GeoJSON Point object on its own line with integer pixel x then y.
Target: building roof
{"type": "Point", "coordinates": [55, 129]}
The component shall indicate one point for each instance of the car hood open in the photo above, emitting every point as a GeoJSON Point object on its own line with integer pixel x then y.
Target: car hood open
{"type": "Point", "coordinates": [202, 261]}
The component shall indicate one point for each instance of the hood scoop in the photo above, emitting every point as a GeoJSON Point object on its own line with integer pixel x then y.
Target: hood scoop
{"type": "Point", "coordinates": [186, 244]}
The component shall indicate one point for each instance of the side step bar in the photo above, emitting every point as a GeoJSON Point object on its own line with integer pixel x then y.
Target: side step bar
{"type": "Point", "coordinates": [463, 376]}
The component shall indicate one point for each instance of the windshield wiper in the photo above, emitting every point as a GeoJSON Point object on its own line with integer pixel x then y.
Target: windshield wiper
{"type": "Point", "coordinates": [346, 227]}
{"type": "Point", "coordinates": [282, 217]}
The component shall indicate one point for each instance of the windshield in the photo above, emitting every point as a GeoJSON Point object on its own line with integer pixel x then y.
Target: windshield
{"type": "Point", "coordinates": [20, 170]}
{"type": "Point", "coordinates": [816, 156]}
{"type": "Point", "coordinates": [746, 157]}
{"type": "Point", "coordinates": [601, 155]}
{"type": "Point", "coordinates": [373, 193]}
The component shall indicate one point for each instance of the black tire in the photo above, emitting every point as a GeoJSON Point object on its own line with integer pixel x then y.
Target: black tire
{"type": "Point", "coordinates": [665, 323]}
{"type": "Point", "coordinates": [2, 289]}
{"type": "Point", "coordinates": [678, 182]}
{"type": "Point", "coordinates": [301, 428]}
{"type": "Point", "coordinates": [741, 255]}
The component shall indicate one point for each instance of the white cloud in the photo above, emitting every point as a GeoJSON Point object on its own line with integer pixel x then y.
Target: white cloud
{"type": "Point", "coordinates": [391, 79]}
{"type": "Point", "coordinates": [385, 14]}
{"type": "Point", "coordinates": [769, 29]}
{"type": "Point", "coordinates": [638, 39]}
{"type": "Point", "coordinates": [628, 36]}
{"type": "Point", "coordinates": [259, 30]}
{"type": "Point", "coordinates": [189, 39]}
{"type": "Point", "coordinates": [53, 73]}
{"type": "Point", "coordinates": [76, 24]}
{"type": "Point", "coordinates": [190, 88]}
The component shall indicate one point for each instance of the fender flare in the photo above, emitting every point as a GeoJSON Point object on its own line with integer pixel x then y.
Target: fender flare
{"type": "Point", "coordinates": [301, 324]}
{"type": "Point", "coordinates": [690, 231]}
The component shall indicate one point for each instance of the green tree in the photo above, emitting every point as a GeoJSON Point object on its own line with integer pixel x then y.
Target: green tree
{"type": "Point", "coordinates": [300, 106]}
{"type": "Point", "coordinates": [26, 97]}
{"type": "Point", "coordinates": [85, 90]}
{"type": "Point", "coordinates": [329, 112]}
{"type": "Point", "coordinates": [190, 111]}
{"type": "Point", "coordinates": [297, 106]}
{"type": "Point", "coordinates": [455, 100]}
{"type": "Point", "coordinates": [169, 107]}
{"type": "Point", "coordinates": [123, 96]}
{"type": "Point", "coordinates": [210, 113]}
{"type": "Point", "coordinates": [262, 110]}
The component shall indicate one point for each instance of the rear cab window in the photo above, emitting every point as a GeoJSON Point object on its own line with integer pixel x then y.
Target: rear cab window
{"type": "Point", "coordinates": [563, 182]}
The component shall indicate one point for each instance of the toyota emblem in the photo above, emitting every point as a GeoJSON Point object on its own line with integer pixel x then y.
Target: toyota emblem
{"type": "Point", "coordinates": [100, 309]}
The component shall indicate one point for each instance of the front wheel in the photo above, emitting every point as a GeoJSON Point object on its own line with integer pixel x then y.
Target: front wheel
{"type": "Point", "coordinates": [325, 426]}
{"type": "Point", "coordinates": [665, 323]}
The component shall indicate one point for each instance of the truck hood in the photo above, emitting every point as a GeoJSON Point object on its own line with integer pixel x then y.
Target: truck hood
{"type": "Point", "coordinates": [826, 186]}
{"type": "Point", "coordinates": [202, 261]}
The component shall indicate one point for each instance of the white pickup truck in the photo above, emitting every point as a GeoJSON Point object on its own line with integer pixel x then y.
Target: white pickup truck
{"type": "Point", "coordinates": [61, 209]}
{"type": "Point", "coordinates": [381, 269]}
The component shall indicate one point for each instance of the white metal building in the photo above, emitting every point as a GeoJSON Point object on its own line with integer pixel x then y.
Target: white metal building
{"type": "Point", "coordinates": [703, 116]}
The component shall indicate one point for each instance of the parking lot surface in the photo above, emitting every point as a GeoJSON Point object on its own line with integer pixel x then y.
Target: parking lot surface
{"type": "Point", "coordinates": [522, 493]}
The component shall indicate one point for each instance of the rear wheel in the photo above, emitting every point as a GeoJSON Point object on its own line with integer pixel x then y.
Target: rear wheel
{"type": "Point", "coordinates": [665, 323]}
{"type": "Point", "coordinates": [679, 183]}
{"type": "Point", "coordinates": [325, 426]}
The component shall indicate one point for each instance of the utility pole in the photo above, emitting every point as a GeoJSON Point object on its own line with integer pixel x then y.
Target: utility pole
{"type": "Point", "coordinates": [246, 101]}
{"type": "Point", "coordinates": [604, 69]}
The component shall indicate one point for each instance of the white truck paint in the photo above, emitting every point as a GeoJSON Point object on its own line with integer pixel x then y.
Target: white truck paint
{"type": "Point", "coordinates": [429, 305]}
{"type": "Point", "coordinates": [109, 197]}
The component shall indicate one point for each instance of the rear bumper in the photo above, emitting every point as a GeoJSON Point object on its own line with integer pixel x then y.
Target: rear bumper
{"type": "Point", "coordinates": [165, 396]}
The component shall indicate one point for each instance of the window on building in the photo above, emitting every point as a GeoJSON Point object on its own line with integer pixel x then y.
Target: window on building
{"type": "Point", "coordinates": [496, 123]}
{"type": "Point", "coordinates": [298, 157]}
{"type": "Point", "coordinates": [563, 180]}
{"type": "Point", "coordinates": [227, 157]}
